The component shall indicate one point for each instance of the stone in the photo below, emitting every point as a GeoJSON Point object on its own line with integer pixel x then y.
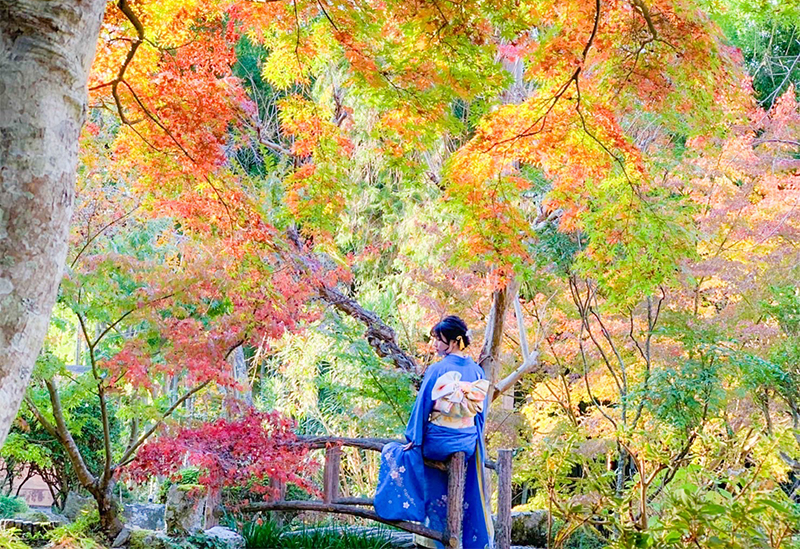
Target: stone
{"type": "Point", "coordinates": [150, 539]}
{"type": "Point", "coordinates": [149, 516]}
{"type": "Point", "coordinates": [227, 537]}
{"type": "Point", "coordinates": [185, 510]}
{"type": "Point", "coordinates": [529, 528]}
{"type": "Point", "coordinates": [33, 516]}
{"type": "Point", "coordinates": [77, 504]}
{"type": "Point", "coordinates": [122, 538]}
{"type": "Point", "coordinates": [51, 515]}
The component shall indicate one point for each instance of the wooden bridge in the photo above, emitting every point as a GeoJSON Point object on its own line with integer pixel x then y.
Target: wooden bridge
{"type": "Point", "coordinates": [332, 502]}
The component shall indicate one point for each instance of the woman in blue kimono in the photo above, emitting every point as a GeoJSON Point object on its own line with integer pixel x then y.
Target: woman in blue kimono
{"type": "Point", "coordinates": [448, 417]}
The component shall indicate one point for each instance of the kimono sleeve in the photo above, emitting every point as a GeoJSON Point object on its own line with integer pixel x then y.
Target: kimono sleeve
{"type": "Point", "coordinates": [422, 408]}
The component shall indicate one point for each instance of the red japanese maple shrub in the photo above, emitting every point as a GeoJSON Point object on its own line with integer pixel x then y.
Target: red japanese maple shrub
{"type": "Point", "coordinates": [254, 452]}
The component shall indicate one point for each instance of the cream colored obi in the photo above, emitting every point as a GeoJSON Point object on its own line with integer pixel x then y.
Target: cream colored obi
{"type": "Point", "coordinates": [456, 402]}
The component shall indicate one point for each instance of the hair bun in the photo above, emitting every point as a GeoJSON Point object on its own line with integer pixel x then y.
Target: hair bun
{"type": "Point", "coordinates": [452, 328]}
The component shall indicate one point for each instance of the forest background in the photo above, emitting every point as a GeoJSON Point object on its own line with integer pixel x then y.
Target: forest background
{"type": "Point", "coordinates": [260, 182]}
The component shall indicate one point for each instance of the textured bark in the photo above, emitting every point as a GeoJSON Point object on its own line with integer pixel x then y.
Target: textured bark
{"type": "Point", "coordinates": [379, 335]}
{"type": "Point", "coordinates": [493, 337]}
{"type": "Point", "coordinates": [46, 50]}
{"type": "Point", "coordinates": [456, 480]}
{"type": "Point", "coordinates": [502, 534]}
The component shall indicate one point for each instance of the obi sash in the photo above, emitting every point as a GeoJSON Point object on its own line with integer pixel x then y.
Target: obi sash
{"type": "Point", "coordinates": [456, 402]}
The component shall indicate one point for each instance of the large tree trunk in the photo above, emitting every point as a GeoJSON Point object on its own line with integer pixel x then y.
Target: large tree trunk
{"type": "Point", "coordinates": [46, 50]}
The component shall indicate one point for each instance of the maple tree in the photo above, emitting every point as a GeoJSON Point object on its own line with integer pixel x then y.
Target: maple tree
{"type": "Point", "coordinates": [259, 451]}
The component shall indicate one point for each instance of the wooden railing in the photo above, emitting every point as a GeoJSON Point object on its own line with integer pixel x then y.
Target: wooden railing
{"type": "Point", "coordinates": [332, 502]}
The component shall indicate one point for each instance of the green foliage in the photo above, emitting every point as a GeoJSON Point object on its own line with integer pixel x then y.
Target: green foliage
{"type": "Point", "coordinates": [683, 396]}
{"type": "Point", "coordinates": [767, 33]}
{"type": "Point", "coordinates": [10, 539]}
{"type": "Point", "coordinates": [266, 534]}
{"type": "Point", "coordinates": [46, 454]}
{"type": "Point", "coordinates": [262, 533]}
{"type": "Point", "coordinates": [190, 475]}
{"type": "Point", "coordinates": [10, 506]}
{"type": "Point", "coordinates": [145, 539]}
{"type": "Point", "coordinates": [82, 533]}
{"type": "Point", "coordinates": [704, 510]}
{"type": "Point", "coordinates": [585, 538]}
{"type": "Point", "coordinates": [321, 377]}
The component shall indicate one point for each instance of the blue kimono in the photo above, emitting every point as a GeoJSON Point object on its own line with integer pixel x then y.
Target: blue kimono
{"type": "Point", "coordinates": [448, 417]}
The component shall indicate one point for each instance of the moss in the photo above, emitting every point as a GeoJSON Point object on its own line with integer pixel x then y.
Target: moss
{"type": "Point", "coordinates": [190, 487]}
{"type": "Point", "coordinates": [150, 539]}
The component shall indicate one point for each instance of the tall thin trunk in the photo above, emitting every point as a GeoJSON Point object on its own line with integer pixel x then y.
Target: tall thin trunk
{"type": "Point", "coordinates": [239, 365]}
{"type": "Point", "coordinates": [489, 357]}
{"type": "Point", "coordinates": [46, 50]}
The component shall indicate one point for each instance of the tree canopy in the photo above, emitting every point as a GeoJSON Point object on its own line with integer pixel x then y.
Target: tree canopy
{"type": "Point", "coordinates": [276, 200]}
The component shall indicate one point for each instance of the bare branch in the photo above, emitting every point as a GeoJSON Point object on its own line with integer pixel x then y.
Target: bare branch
{"type": "Point", "coordinates": [645, 11]}
{"type": "Point", "coordinates": [528, 365]}
{"type": "Point", "coordinates": [49, 427]}
{"type": "Point", "coordinates": [128, 455]}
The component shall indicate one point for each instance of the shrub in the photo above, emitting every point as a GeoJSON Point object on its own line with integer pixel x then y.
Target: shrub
{"type": "Point", "coordinates": [11, 506]}
{"type": "Point", "coordinates": [9, 539]}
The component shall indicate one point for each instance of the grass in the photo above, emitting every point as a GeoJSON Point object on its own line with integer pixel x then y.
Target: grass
{"type": "Point", "coordinates": [269, 535]}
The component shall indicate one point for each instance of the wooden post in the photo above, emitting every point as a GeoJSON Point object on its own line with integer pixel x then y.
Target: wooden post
{"type": "Point", "coordinates": [455, 500]}
{"type": "Point", "coordinates": [333, 457]}
{"type": "Point", "coordinates": [280, 485]}
{"type": "Point", "coordinates": [502, 536]}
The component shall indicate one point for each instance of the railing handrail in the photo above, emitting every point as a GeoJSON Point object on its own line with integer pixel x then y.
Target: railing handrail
{"type": "Point", "coordinates": [455, 466]}
{"type": "Point", "coordinates": [374, 444]}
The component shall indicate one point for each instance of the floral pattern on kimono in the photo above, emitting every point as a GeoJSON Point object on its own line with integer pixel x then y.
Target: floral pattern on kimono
{"type": "Point", "coordinates": [460, 389]}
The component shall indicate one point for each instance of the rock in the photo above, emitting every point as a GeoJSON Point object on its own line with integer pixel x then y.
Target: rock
{"type": "Point", "coordinates": [529, 528]}
{"type": "Point", "coordinates": [149, 539]}
{"type": "Point", "coordinates": [226, 536]}
{"type": "Point", "coordinates": [76, 504]}
{"type": "Point", "coordinates": [185, 510]}
{"type": "Point", "coordinates": [33, 516]}
{"type": "Point", "coordinates": [51, 515]}
{"type": "Point", "coordinates": [149, 516]}
{"type": "Point", "coordinates": [122, 538]}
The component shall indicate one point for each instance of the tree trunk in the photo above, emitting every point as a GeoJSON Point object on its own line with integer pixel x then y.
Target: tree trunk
{"type": "Point", "coordinates": [46, 50]}
{"type": "Point", "coordinates": [239, 365]}
{"type": "Point", "coordinates": [108, 509]}
{"type": "Point", "coordinates": [493, 337]}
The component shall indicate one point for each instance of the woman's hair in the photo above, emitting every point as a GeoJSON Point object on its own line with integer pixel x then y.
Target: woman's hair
{"type": "Point", "coordinates": [451, 328]}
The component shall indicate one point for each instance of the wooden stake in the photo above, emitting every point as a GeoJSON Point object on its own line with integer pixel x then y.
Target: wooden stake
{"type": "Point", "coordinates": [455, 500]}
{"type": "Point", "coordinates": [333, 457]}
{"type": "Point", "coordinates": [502, 534]}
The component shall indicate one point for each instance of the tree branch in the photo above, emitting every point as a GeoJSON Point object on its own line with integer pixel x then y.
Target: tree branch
{"type": "Point", "coordinates": [379, 335]}
{"type": "Point", "coordinates": [645, 11]}
{"type": "Point", "coordinates": [528, 365]}
{"type": "Point", "coordinates": [493, 336]}
{"type": "Point", "coordinates": [49, 427]}
{"type": "Point", "coordinates": [83, 473]}
{"type": "Point", "coordinates": [128, 455]}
